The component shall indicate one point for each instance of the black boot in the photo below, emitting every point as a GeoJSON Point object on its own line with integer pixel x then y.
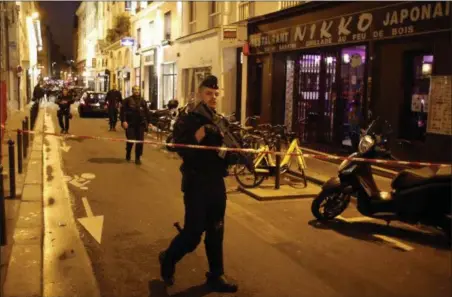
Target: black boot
{"type": "Point", "coordinates": [167, 269]}
{"type": "Point", "coordinates": [128, 156]}
{"type": "Point", "coordinates": [138, 161]}
{"type": "Point", "coordinates": [220, 284]}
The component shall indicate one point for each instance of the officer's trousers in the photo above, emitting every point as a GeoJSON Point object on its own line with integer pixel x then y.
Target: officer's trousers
{"type": "Point", "coordinates": [205, 205]}
{"type": "Point", "coordinates": [63, 119]}
{"type": "Point", "coordinates": [113, 117]}
{"type": "Point", "coordinates": [135, 132]}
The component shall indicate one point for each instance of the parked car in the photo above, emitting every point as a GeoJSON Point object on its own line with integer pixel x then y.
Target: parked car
{"type": "Point", "coordinates": [92, 103]}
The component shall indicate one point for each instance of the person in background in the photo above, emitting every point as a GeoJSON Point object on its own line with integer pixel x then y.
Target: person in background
{"type": "Point", "coordinates": [354, 119]}
{"type": "Point", "coordinates": [134, 117]}
{"type": "Point", "coordinates": [38, 93]}
{"type": "Point", "coordinates": [114, 99]}
{"type": "Point", "coordinates": [64, 102]}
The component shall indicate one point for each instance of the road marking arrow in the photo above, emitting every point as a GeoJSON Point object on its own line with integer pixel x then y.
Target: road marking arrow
{"type": "Point", "coordinates": [93, 224]}
{"type": "Point", "coordinates": [65, 147]}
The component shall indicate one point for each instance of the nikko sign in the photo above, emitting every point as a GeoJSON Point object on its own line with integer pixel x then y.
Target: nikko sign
{"type": "Point", "coordinates": [390, 21]}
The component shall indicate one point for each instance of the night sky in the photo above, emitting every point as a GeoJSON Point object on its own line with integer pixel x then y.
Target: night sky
{"type": "Point", "coordinates": [59, 15]}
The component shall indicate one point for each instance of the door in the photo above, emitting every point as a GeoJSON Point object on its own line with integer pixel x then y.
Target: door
{"type": "Point", "coordinates": [315, 77]}
{"type": "Point", "coordinates": [152, 85]}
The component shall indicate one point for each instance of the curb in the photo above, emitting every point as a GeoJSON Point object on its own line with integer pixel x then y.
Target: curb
{"type": "Point", "coordinates": [27, 253]}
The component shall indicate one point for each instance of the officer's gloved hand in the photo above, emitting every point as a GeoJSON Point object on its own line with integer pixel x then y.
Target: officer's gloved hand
{"type": "Point", "coordinates": [212, 129]}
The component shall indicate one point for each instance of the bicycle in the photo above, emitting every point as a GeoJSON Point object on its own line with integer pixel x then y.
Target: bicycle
{"type": "Point", "coordinates": [264, 165]}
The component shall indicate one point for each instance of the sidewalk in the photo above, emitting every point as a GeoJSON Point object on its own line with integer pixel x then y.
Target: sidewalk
{"type": "Point", "coordinates": [20, 213]}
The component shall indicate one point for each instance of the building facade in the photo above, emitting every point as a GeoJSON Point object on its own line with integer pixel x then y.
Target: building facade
{"type": "Point", "coordinates": [311, 62]}
{"type": "Point", "coordinates": [20, 42]}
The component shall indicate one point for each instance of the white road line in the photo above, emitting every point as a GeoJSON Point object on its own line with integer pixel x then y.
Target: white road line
{"type": "Point", "coordinates": [89, 212]}
{"type": "Point", "coordinates": [396, 243]}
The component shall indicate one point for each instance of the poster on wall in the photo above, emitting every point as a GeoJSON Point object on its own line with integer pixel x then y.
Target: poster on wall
{"type": "Point", "coordinates": [440, 105]}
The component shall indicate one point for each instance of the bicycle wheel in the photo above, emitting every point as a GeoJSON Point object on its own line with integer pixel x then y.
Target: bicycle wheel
{"type": "Point", "coordinates": [245, 177]}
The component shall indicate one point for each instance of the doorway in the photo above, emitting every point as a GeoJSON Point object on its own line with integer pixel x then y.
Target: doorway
{"type": "Point", "coordinates": [315, 75]}
{"type": "Point", "coordinates": [350, 100]}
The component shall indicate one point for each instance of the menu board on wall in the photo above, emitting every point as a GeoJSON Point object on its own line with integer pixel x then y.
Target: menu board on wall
{"type": "Point", "coordinates": [440, 105]}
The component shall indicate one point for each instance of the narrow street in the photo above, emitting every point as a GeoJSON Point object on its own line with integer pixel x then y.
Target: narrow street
{"type": "Point", "coordinates": [271, 248]}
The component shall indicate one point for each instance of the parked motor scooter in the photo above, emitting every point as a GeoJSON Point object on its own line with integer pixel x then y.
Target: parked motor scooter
{"type": "Point", "coordinates": [418, 196]}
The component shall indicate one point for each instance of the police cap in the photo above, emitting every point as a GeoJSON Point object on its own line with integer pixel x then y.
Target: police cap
{"type": "Point", "coordinates": [211, 82]}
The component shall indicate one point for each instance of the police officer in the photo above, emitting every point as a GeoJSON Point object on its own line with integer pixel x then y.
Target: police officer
{"type": "Point", "coordinates": [134, 117]}
{"type": "Point", "coordinates": [64, 102]}
{"type": "Point", "coordinates": [203, 173]}
{"type": "Point", "coordinates": [113, 98]}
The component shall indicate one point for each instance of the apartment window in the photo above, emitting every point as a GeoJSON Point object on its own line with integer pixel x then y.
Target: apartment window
{"type": "Point", "coordinates": [139, 38]}
{"type": "Point", "coordinates": [137, 76]}
{"type": "Point", "coordinates": [214, 14]}
{"type": "Point", "coordinates": [167, 28]}
{"type": "Point", "coordinates": [246, 9]}
{"type": "Point", "coordinates": [151, 33]}
{"type": "Point", "coordinates": [192, 16]}
{"type": "Point", "coordinates": [128, 5]}
{"type": "Point", "coordinates": [169, 82]}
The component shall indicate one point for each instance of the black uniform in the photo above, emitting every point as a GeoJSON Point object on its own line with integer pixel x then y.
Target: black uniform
{"type": "Point", "coordinates": [38, 93]}
{"type": "Point", "coordinates": [135, 112]}
{"type": "Point", "coordinates": [113, 98]}
{"type": "Point", "coordinates": [203, 173]}
{"type": "Point", "coordinates": [64, 103]}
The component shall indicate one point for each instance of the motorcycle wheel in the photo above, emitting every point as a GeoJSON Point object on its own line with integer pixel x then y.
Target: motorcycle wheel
{"type": "Point", "coordinates": [332, 201]}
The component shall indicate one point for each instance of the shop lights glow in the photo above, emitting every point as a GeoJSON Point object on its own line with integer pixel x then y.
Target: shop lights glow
{"type": "Point", "coordinates": [346, 58]}
{"type": "Point", "coordinates": [426, 69]}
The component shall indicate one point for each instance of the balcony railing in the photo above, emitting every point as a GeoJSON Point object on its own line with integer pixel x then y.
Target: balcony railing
{"type": "Point", "coordinates": [246, 10]}
{"type": "Point", "coordinates": [214, 19]}
{"type": "Point", "coordinates": [192, 27]}
{"type": "Point", "coordinates": [288, 4]}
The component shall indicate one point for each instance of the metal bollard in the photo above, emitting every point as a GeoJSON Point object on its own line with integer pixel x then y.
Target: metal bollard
{"type": "Point", "coordinates": [19, 151]}
{"type": "Point", "coordinates": [25, 139]}
{"type": "Point", "coordinates": [27, 126]}
{"type": "Point", "coordinates": [12, 169]}
{"type": "Point", "coordinates": [2, 211]}
{"type": "Point", "coordinates": [278, 163]}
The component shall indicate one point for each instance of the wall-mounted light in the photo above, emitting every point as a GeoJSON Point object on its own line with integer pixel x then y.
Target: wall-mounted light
{"type": "Point", "coordinates": [35, 15]}
{"type": "Point", "coordinates": [426, 69]}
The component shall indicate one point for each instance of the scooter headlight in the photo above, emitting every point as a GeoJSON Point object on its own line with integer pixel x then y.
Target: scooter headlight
{"type": "Point", "coordinates": [365, 144]}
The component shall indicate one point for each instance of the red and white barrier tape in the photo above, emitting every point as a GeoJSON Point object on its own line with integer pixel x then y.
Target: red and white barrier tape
{"type": "Point", "coordinates": [240, 150]}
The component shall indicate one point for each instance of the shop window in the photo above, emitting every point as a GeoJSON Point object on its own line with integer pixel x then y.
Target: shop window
{"type": "Point", "coordinates": [418, 69]}
{"type": "Point", "coordinates": [192, 79]}
{"type": "Point", "coordinates": [169, 73]}
{"type": "Point", "coordinates": [137, 76]}
{"type": "Point", "coordinates": [167, 26]}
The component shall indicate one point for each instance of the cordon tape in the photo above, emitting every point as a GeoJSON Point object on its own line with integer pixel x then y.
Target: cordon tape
{"type": "Point", "coordinates": [237, 150]}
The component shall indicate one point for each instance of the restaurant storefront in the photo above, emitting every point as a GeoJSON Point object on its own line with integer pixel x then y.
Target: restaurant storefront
{"type": "Point", "coordinates": [308, 65]}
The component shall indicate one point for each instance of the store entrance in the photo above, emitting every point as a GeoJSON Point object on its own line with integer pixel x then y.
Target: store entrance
{"type": "Point", "coordinates": [314, 76]}
{"type": "Point", "coordinates": [328, 88]}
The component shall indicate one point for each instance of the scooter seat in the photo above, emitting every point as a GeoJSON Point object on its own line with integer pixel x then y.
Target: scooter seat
{"type": "Point", "coordinates": [417, 177]}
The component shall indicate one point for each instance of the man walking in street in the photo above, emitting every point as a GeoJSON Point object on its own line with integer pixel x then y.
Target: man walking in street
{"type": "Point", "coordinates": [38, 93]}
{"type": "Point", "coordinates": [114, 99]}
{"type": "Point", "coordinates": [64, 102]}
{"type": "Point", "coordinates": [203, 173]}
{"type": "Point", "coordinates": [134, 119]}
